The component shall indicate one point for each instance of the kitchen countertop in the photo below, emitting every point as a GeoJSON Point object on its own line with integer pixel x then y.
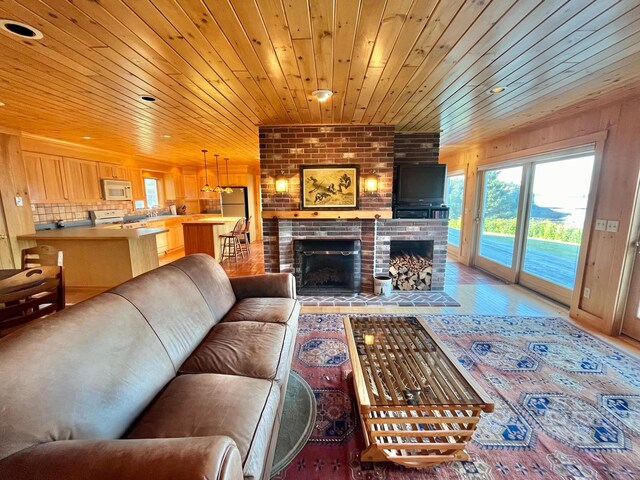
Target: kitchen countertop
{"type": "Point", "coordinates": [91, 233]}
{"type": "Point", "coordinates": [212, 220]}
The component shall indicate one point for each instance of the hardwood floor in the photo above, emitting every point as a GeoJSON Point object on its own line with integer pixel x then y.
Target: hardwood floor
{"type": "Point", "coordinates": [476, 291]}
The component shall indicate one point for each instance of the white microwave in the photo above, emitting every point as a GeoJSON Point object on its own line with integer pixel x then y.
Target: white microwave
{"type": "Point", "coordinates": [116, 189]}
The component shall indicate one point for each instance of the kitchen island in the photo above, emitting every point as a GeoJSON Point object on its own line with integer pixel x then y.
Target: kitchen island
{"type": "Point", "coordinates": [203, 235]}
{"type": "Point", "coordinates": [101, 257]}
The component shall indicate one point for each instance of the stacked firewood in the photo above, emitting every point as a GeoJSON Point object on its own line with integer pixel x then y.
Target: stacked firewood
{"type": "Point", "coordinates": [410, 272]}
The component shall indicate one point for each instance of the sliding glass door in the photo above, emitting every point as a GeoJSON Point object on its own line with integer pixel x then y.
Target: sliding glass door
{"type": "Point", "coordinates": [499, 221]}
{"type": "Point", "coordinates": [556, 217]}
{"type": "Point", "coordinates": [531, 220]}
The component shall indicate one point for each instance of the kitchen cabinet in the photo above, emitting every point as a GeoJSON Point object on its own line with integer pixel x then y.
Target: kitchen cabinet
{"type": "Point", "coordinates": [191, 188]}
{"type": "Point", "coordinates": [175, 239]}
{"type": "Point", "coordinates": [116, 172]}
{"type": "Point", "coordinates": [179, 185]}
{"type": "Point", "coordinates": [236, 180]}
{"type": "Point", "coordinates": [83, 181]}
{"type": "Point", "coordinates": [162, 239]}
{"type": "Point", "coordinates": [45, 178]}
{"type": "Point", "coordinates": [137, 185]}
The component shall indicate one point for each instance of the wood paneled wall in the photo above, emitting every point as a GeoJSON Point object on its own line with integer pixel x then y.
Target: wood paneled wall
{"type": "Point", "coordinates": [615, 129]}
{"type": "Point", "coordinates": [13, 182]}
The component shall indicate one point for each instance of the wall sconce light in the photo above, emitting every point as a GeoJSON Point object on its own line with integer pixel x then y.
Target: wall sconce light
{"type": "Point", "coordinates": [282, 183]}
{"type": "Point", "coordinates": [371, 182]}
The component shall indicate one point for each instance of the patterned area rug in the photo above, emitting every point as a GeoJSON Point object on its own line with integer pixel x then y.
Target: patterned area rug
{"type": "Point", "coordinates": [398, 299]}
{"type": "Point", "coordinates": [567, 403]}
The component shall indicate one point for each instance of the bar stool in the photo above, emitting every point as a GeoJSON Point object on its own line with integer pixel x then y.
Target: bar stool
{"type": "Point", "coordinates": [231, 242]}
{"type": "Point", "coordinates": [244, 237]}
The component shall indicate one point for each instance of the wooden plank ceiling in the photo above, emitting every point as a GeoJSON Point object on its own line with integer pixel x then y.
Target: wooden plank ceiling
{"type": "Point", "coordinates": [219, 68]}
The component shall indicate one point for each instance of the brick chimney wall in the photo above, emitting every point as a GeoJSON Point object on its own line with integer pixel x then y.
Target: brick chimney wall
{"type": "Point", "coordinates": [285, 148]}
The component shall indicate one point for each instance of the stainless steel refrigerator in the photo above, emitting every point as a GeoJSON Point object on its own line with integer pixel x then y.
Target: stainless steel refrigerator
{"type": "Point", "coordinates": [235, 204]}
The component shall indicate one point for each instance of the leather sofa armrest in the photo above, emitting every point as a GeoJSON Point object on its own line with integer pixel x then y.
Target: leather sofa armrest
{"type": "Point", "coordinates": [214, 458]}
{"type": "Point", "coordinates": [267, 285]}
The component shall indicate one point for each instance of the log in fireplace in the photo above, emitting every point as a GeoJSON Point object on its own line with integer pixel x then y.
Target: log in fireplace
{"type": "Point", "coordinates": [328, 266]}
{"type": "Point", "coordinates": [411, 264]}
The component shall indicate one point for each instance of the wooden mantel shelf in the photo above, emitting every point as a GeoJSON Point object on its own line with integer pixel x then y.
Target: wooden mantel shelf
{"type": "Point", "coordinates": [324, 214]}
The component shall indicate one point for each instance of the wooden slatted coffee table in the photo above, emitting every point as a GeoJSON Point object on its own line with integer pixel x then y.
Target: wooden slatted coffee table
{"type": "Point", "coordinates": [418, 406]}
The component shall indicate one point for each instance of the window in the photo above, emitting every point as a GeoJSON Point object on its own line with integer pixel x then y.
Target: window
{"type": "Point", "coordinates": [151, 191]}
{"type": "Point", "coordinates": [532, 218]}
{"type": "Point", "coordinates": [455, 199]}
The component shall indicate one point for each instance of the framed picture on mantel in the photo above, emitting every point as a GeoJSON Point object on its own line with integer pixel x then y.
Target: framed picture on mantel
{"type": "Point", "coordinates": [330, 187]}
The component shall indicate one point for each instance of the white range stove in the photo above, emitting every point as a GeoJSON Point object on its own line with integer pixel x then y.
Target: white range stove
{"type": "Point", "coordinates": [115, 218]}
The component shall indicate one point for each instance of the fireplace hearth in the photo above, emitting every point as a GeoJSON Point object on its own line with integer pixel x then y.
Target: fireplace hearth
{"type": "Point", "coordinates": [411, 264]}
{"type": "Point", "coordinates": [330, 267]}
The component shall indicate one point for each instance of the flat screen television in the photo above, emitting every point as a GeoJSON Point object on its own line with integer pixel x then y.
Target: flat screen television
{"type": "Point", "coordinates": [420, 184]}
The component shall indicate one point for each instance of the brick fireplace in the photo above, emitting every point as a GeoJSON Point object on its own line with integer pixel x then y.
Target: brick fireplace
{"type": "Point", "coordinates": [375, 236]}
{"type": "Point", "coordinates": [284, 148]}
{"type": "Point", "coordinates": [328, 266]}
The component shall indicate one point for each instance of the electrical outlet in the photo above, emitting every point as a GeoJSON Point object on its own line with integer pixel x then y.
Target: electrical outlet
{"type": "Point", "coordinates": [612, 226]}
{"type": "Point", "coordinates": [587, 292]}
{"type": "Point", "coordinates": [601, 224]}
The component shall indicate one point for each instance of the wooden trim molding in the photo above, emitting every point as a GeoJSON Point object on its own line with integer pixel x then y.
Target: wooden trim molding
{"type": "Point", "coordinates": [323, 215]}
{"type": "Point", "coordinates": [596, 137]}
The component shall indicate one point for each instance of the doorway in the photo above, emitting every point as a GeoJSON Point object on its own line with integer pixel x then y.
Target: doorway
{"type": "Point", "coordinates": [631, 318]}
{"type": "Point", "coordinates": [531, 220]}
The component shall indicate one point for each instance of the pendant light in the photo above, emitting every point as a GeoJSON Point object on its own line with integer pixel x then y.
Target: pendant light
{"type": "Point", "coordinates": [227, 189]}
{"type": "Point", "coordinates": [206, 188]}
{"type": "Point", "coordinates": [218, 188]}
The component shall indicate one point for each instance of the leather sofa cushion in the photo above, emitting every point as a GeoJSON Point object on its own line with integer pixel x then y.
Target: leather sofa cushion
{"type": "Point", "coordinates": [84, 373]}
{"type": "Point", "coordinates": [211, 280]}
{"type": "Point", "coordinates": [204, 405]}
{"type": "Point", "coordinates": [263, 309]}
{"type": "Point", "coordinates": [250, 349]}
{"type": "Point", "coordinates": [174, 307]}
{"type": "Point", "coordinates": [147, 459]}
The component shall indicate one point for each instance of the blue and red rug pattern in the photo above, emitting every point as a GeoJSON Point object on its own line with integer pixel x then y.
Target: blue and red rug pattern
{"type": "Point", "coordinates": [567, 403]}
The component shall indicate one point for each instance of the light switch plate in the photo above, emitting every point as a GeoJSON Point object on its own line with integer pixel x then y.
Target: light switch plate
{"type": "Point", "coordinates": [601, 224]}
{"type": "Point", "coordinates": [612, 226]}
{"type": "Point", "coordinates": [19, 201]}
{"type": "Point", "coordinates": [587, 292]}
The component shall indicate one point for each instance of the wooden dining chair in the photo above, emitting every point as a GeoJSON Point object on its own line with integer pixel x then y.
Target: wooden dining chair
{"type": "Point", "coordinates": [244, 237]}
{"type": "Point", "coordinates": [41, 256]}
{"type": "Point", "coordinates": [30, 294]}
{"type": "Point", "coordinates": [231, 242]}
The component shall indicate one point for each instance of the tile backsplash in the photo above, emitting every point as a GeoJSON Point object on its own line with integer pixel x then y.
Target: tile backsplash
{"type": "Point", "coordinates": [51, 212]}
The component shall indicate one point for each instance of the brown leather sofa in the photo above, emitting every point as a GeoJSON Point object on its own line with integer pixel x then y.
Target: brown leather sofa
{"type": "Point", "coordinates": [179, 373]}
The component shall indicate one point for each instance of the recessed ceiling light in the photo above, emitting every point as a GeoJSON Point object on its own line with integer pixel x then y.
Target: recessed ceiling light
{"type": "Point", "coordinates": [322, 95]}
{"type": "Point", "coordinates": [148, 98]}
{"type": "Point", "coordinates": [87, 138]}
{"type": "Point", "coordinates": [497, 89]}
{"type": "Point", "coordinates": [166, 136]}
{"type": "Point", "coordinates": [20, 29]}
